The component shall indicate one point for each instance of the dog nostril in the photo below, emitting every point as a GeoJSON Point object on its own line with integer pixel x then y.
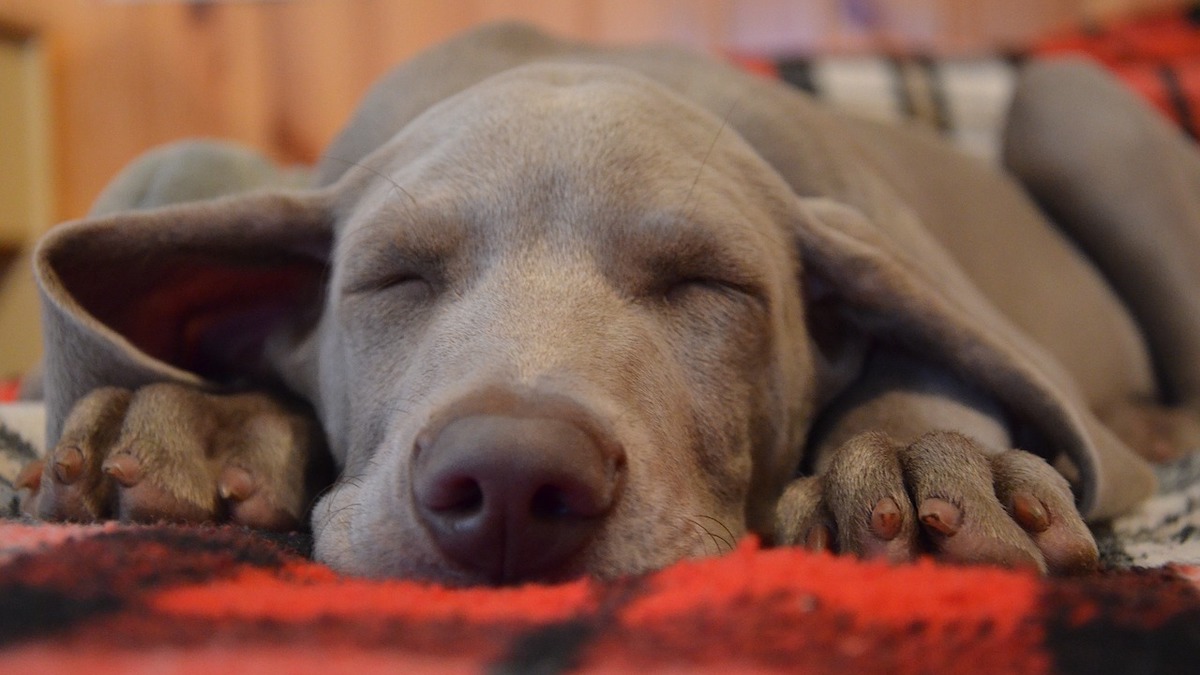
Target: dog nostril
{"type": "Point", "coordinates": [550, 502]}
{"type": "Point", "coordinates": [459, 497]}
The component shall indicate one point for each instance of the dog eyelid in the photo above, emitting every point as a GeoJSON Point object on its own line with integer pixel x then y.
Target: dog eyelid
{"type": "Point", "coordinates": [675, 290]}
{"type": "Point", "coordinates": [390, 266]}
{"type": "Point", "coordinates": [707, 268]}
{"type": "Point", "coordinates": [386, 282]}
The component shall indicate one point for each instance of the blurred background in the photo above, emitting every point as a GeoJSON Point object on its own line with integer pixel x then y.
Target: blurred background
{"type": "Point", "coordinates": [87, 85]}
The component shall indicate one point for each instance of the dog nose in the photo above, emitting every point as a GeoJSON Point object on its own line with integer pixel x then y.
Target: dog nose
{"type": "Point", "coordinates": [513, 498]}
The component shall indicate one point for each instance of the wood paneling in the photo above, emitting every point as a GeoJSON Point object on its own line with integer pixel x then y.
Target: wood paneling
{"type": "Point", "coordinates": [284, 75]}
{"type": "Point", "coordinates": [25, 200]}
{"type": "Point", "coordinates": [280, 76]}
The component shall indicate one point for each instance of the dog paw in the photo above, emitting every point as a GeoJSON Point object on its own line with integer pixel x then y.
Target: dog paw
{"type": "Point", "coordinates": [171, 453]}
{"type": "Point", "coordinates": [943, 496]}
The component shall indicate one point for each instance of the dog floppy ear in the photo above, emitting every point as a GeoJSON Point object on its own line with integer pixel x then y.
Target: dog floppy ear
{"type": "Point", "coordinates": [900, 286]}
{"type": "Point", "coordinates": [187, 294]}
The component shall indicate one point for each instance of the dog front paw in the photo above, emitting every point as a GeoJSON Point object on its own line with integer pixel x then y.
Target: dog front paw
{"type": "Point", "coordinates": [171, 453]}
{"type": "Point", "coordinates": [942, 495]}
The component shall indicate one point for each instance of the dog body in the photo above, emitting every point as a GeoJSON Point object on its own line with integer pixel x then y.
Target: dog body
{"type": "Point", "coordinates": [563, 310]}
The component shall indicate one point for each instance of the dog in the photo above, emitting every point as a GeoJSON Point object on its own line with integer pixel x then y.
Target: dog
{"type": "Point", "coordinates": [554, 309]}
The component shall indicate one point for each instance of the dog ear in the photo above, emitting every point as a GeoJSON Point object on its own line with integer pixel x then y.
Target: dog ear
{"type": "Point", "coordinates": [899, 286]}
{"type": "Point", "coordinates": [187, 294]}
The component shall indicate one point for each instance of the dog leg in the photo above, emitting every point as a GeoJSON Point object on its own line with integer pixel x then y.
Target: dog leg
{"type": "Point", "coordinates": [1158, 433]}
{"type": "Point", "coordinates": [171, 453]}
{"type": "Point", "coordinates": [1126, 186]}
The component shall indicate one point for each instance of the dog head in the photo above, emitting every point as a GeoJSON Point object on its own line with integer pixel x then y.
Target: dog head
{"type": "Point", "coordinates": [563, 333]}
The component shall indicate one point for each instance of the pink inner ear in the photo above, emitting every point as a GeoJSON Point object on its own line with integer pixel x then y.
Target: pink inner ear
{"type": "Point", "coordinates": [209, 319]}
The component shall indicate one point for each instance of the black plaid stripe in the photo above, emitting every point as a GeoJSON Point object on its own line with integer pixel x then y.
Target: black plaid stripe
{"type": "Point", "coordinates": [1145, 621]}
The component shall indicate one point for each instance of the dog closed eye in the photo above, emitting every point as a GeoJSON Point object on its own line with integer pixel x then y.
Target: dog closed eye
{"type": "Point", "coordinates": [682, 290]}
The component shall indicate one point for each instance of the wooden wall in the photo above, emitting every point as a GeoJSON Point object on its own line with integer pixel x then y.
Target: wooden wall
{"type": "Point", "coordinates": [283, 75]}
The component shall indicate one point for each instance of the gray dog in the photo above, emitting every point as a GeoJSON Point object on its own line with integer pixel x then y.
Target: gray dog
{"type": "Point", "coordinates": [558, 310]}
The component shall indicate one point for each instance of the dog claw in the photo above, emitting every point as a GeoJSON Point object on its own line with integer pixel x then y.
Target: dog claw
{"type": "Point", "coordinates": [941, 516]}
{"type": "Point", "coordinates": [235, 484]}
{"type": "Point", "coordinates": [68, 464]}
{"type": "Point", "coordinates": [1030, 512]}
{"type": "Point", "coordinates": [818, 539]}
{"type": "Point", "coordinates": [886, 519]}
{"type": "Point", "coordinates": [123, 468]}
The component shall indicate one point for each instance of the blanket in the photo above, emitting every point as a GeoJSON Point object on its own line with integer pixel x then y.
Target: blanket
{"type": "Point", "coordinates": [180, 599]}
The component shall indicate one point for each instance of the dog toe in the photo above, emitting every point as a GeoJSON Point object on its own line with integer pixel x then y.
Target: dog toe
{"type": "Point", "coordinates": [800, 516]}
{"type": "Point", "coordinates": [263, 470]}
{"type": "Point", "coordinates": [72, 485]}
{"type": "Point", "coordinates": [865, 494]}
{"type": "Point", "coordinates": [69, 487]}
{"type": "Point", "coordinates": [950, 477]}
{"type": "Point", "coordinates": [157, 480]}
{"type": "Point", "coordinates": [1039, 500]}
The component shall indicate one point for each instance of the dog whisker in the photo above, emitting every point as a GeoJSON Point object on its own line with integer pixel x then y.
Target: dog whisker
{"type": "Point", "coordinates": [718, 521]}
{"type": "Point", "coordinates": [340, 514]}
{"type": "Point", "coordinates": [716, 539]}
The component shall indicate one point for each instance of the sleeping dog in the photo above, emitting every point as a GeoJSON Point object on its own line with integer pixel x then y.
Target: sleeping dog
{"type": "Point", "coordinates": [553, 310]}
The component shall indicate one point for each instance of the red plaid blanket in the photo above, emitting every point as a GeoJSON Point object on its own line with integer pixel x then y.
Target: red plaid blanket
{"type": "Point", "coordinates": [178, 599]}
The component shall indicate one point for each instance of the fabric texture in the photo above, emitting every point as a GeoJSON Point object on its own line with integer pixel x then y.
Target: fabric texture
{"type": "Point", "coordinates": [173, 599]}
{"type": "Point", "coordinates": [1157, 54]}
{"type": "Point", "coordinates": [962, 98]}
{"type": "Point", "coordinates": [135, 599]}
